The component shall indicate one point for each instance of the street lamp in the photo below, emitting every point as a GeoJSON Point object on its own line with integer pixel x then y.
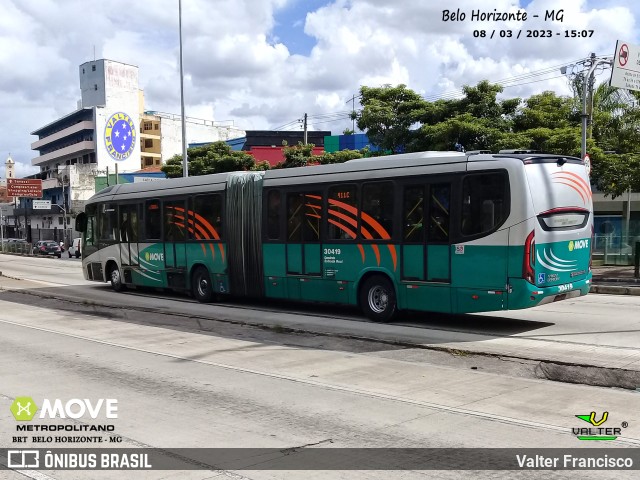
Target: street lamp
{"type": "Point", "coordinates": [185, 164]}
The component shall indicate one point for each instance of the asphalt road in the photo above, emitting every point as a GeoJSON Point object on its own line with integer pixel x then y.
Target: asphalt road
{"type": "Point", "coordinates": [595, 330]}
{"type": "Point", "coordinates": [183, 381]}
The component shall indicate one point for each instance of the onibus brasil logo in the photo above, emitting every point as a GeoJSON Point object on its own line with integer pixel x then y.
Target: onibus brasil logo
{"type": "Point", "coordinates": [595, 431]}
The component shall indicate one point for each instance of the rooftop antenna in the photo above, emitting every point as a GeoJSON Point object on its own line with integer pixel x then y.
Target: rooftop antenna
{"type": "Point", "coordinates": [94, 53]}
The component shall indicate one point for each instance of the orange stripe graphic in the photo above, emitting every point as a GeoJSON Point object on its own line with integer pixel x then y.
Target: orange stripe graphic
{"type": "Point", "coordinates": [578, 182]}
{"type": "Point", "coordinates": [572, 177]}
{"type": "Point", "coordinates": [581, 180]}
{"type": "Point", "coordinates": [571, 185]}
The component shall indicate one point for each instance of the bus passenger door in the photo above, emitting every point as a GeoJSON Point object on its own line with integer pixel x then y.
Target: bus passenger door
{"type": "Point", "coordinates": [175, 258]}
{"type": "Point", "coordinates": [304, 268]}
{"type": "Point", "coordinates": [425, 269]}
{"type": "Point", "coordinates": [128, 230]}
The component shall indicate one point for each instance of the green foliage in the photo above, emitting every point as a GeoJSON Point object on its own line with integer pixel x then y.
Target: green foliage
{"type": "Point", "coordinates": [340, 156]}
{"type": "Point", "coordinates": [616, 174]}
{"type": "Point", "coordinates": [394, 117]}
{"type": "Point", "coordinates": [298, 156]}
{"type": "Point", "coordinates": [388, 114]}
{"type": "Point", "coordinates": [216, 157]}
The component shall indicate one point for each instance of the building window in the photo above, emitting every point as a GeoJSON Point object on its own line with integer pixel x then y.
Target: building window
{"type": "Point", "coordinates": [60, 220]}
{"type": "Point", "coordinates": [156, 126]}
{"type": "Point", "coordinates": [147, 126]}
{"type": "Point", "coordinates": [93, 68]}
{"type": "Point", "coordinates": [148, 161]}
{"type": "Point", "coordinates": [95, 87]}
{"type": "Point", "coordinates": [148, 143]}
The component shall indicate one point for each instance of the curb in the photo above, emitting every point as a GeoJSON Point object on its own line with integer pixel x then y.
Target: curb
{"type": "Point", "coordinates": [615, 290]}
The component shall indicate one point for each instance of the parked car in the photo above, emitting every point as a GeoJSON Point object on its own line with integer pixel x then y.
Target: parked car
{"type": "Point", "coordinates": [47, 247]}
{"type": "Point", "coordinates": [74, 248]}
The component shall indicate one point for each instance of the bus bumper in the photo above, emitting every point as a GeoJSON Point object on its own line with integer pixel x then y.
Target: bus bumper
{"type": "Point", "coordinates": [525, 295]}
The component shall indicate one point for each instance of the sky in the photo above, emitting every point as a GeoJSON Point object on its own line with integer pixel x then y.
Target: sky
{"type": "Point", "coordinates": [264, 63]}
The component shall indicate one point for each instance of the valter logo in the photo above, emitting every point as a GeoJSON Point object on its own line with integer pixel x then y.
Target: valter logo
{"type": "Point", "coordinates": [595, 431]}
{"type": "Point", "coordinates": [24, 408]}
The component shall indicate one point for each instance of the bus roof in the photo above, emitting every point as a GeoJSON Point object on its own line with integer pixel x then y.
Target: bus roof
{"type": "Point", "coordinates": [370, 168]}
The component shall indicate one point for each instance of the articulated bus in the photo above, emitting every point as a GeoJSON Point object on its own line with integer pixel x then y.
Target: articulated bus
{"type": "Point", "coordinates": [430, 231]}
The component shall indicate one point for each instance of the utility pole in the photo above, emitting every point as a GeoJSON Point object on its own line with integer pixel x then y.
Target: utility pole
{"type": "Point", "coordinates": [587, 86]}
{"type": "Point", "coordinates": [305, 128]}
{"type": "Point", "coordinates": [353, 112]}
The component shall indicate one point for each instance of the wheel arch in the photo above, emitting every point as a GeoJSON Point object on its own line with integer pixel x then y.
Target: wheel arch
{"type": "Point", "coordinates": [367, 274]}
{"type": "Point", "coordinates": [108, 265]}
{"type": "Point", "coordinates": [193, 268]}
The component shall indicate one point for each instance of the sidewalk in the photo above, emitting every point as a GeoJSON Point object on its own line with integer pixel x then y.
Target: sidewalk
{"type": "Point", "coordinates": [617, 280]}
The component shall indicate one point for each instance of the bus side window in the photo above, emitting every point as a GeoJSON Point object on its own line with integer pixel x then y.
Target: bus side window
{"type": "Point", "coordinates": [174, 218]}
{"type": "Point", "coordinates": [377, 202]}
{"type": "Point", "coordinates": [205, 219]}
{"type": "Point", "coordinates": [107, 221]}
{"type": "Point", "coordinates": [413, 214]}
{"type": "Point", "coordinates": [342, 219]}
{"type": "Point", "coordinates": [152, 220]}
{"type": "Point", "coordinates": [439, 212]}
{"type": "Point", "coordinates": [273, 214]}
{"type": "Point", "coordinates": [485, 202]}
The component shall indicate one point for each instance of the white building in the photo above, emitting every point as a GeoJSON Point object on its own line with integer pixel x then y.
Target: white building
{"type": "Point", "coordinates": [108, 132]}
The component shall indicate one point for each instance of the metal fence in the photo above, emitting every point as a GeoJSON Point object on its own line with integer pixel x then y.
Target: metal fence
{"type": "Point", "coordinates": [614, 249]}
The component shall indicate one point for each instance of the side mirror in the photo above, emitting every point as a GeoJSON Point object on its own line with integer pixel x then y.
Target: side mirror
{"type": "Point", "coordinates": [81, 222]}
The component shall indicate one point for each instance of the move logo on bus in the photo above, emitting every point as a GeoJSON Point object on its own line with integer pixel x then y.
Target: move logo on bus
{"type": "Point", "coordinates": [154, 256]}
{"type": "Point", "coordinates": [578, 244]}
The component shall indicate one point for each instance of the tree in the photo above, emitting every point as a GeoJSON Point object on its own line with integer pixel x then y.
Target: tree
{"type": "Point", "coordinates": [298, 155]}
{"type": "Point", "coordinates": [387, 115]}
{"type": "Point", "coordinates": [216, 157]}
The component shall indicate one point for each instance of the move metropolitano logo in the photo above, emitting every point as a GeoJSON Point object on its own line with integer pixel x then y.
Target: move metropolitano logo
{"type": "Point", "coordinates": [24, 409]}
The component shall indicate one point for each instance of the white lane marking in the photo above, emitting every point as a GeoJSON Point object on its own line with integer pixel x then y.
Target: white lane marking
{"type": "Point", "coordinates": [382, 396]}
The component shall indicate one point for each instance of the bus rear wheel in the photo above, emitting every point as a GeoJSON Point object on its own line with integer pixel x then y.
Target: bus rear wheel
{"type": "Point", "coordinates": [116, 279]}
{"type": "Point", "coordinates": [201, 287]}
{"type": "Point", "coordinates": [378, 299]}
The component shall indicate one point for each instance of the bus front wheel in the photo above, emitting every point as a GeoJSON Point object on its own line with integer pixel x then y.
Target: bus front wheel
{"type": "Point", "coordinates": [116, 279]}
{"type": "Point", "coordinates": [378, 299]}
{"type": "Point", "coordinates": [201, 285]}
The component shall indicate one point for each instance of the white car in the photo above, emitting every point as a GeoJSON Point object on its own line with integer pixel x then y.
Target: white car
{"type": "Point", "coordinates": [74, 248]}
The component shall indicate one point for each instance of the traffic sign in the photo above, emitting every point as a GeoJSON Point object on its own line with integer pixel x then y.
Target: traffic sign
{"type": "Point", "coordinates": [24, 187]}
{"type": "Point", "coordinates": [626, 66]}
{"type": "Point", "coordinates": [42, 204]}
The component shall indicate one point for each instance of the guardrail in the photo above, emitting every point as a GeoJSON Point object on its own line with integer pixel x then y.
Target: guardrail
{"type": "Point", "coordinates": [15, 247]}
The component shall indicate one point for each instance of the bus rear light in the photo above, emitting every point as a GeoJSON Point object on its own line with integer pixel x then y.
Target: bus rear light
{"type": "Point", "coordinates": [529, 259]}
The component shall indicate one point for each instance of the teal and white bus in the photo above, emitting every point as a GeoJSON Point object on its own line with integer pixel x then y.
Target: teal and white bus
{"type": "Point", "coordinates": [431, 231]}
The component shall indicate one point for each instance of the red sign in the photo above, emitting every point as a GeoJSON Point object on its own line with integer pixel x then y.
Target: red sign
{"type": "Point", "coordinates": [24, 187]}
{"type": "Point", "coordinates": [623, 55]}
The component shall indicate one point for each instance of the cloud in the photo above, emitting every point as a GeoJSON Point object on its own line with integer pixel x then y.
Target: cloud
{"type": "Point", "coordinates": [237, 68]}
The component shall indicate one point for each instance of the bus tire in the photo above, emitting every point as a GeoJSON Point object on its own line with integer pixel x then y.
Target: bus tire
{"type": "Point", "coordinates": [378, 299]}
{"type": "Point", "coordinates": [201, 286]}
{"type": "Point", "coordinates": [115, 277]}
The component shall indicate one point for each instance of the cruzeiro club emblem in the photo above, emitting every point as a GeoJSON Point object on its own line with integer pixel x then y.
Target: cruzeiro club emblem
{"type": "Point", "coordinates": [120, 136]}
